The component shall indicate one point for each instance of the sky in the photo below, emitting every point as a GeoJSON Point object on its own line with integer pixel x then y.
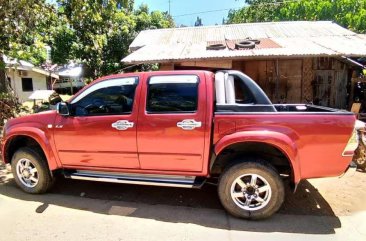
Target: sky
{"type": "Point", "coordinates": [193, 8]}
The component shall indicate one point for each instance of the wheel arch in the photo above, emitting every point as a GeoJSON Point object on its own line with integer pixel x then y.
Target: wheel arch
{"type": "Point", "coordinates": [31, 137]}
{"type": "Point", "coordinates": [278, 146]}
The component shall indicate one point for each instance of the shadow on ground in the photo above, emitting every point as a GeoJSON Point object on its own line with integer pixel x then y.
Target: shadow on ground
{"type": "Point", "coordinates": [306, 211]}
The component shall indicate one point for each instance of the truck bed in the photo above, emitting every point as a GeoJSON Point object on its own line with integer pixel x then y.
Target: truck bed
{"type": "Point", "coordinates": [318, 135]}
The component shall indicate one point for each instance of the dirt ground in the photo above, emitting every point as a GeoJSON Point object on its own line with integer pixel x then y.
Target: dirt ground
{"type": "Point", "coordinates": [322, 209]}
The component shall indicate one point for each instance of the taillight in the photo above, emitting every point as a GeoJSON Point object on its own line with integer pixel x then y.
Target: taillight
{"type": "Point", "coordinates": [352, 144]}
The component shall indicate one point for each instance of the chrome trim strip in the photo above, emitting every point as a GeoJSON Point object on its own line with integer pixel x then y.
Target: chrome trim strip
{"type": "Point", "coordinates": [119, 174]}
{"type": "Point", "coordinates": [135, 181]}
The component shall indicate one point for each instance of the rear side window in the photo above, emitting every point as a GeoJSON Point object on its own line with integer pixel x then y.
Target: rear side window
{"type": "Point", "coordinates": [242, 93]}
{"type": "Point", "coordinates": [172, 94]}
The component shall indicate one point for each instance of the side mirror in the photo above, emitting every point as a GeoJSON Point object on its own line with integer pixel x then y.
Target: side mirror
{"type": "Point", "coordinates": [62, 109]}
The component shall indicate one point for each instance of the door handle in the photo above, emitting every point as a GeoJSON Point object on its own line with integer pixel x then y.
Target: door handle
{"type": "Point", "coordinates": [189, 124]}
{"type": "Point", "coordinates": [122, 125]}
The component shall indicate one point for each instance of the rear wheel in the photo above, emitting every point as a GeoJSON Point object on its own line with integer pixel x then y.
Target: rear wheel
{"type": "Point", "coordinates": [251, 190]}
{"type": "Point", "coordinates": [30, 171]}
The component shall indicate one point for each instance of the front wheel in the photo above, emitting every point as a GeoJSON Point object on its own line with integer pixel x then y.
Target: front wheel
{"type": "Point", "coordinates": [251, 190]}
{"type": "Point", "coordinates": [30, 171]}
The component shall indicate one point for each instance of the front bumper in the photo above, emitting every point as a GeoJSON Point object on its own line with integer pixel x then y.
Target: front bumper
{"type": "Point", "coordinates": [350, 171]}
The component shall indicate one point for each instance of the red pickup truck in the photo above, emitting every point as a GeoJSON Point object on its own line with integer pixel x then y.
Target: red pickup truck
{"type": "Point", "coordinates": [180, 128]}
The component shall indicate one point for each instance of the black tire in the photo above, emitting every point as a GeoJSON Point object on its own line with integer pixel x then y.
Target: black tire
{"type": "Point", "coordinates": [43, 174]}
{"type": "Point", "coordinates": [256, 41]}
{"type": "Point", "coordinates": [247, 44]}
{"type": "Point", "coordinates": [274, 200]}
{"type": "Point", "coordinates": [216, 47]}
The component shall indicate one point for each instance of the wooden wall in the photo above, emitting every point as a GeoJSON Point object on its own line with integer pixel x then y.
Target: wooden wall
{"type": "Point", "coordinates": [282, 80]}
{"type": "Point", "coordinates": [322, 81]}
{"type": "Point", "coordinates": [330, 83]}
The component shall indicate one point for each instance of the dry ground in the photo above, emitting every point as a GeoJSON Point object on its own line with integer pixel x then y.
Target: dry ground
{"type": "Point", "coordinates": [321, 209]}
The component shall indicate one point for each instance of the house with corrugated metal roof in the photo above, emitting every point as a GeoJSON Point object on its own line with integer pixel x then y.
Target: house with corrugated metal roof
{"type": "Point", "coordinates": [293, 62]}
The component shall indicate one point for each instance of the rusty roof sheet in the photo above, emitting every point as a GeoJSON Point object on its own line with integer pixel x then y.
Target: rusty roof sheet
{"type": "Point", "coordinates": [294, 39]}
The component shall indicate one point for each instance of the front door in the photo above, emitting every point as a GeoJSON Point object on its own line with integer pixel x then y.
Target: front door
{"type": "Point", "coordinates": [101, 128]}
{"type": "Point", "coordinates": [171, 129]}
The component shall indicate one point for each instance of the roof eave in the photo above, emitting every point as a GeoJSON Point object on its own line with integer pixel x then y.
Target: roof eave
{"type": "Point", "coordinates": [239, 58]}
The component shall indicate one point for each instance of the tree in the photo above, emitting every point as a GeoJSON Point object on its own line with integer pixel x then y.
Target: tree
{"type": "Point", "coordinates": [348, 13]}
{"type": "Point", "coordinates": [98, 33]}
{"type": "Point", "coordinates": [25, 29]}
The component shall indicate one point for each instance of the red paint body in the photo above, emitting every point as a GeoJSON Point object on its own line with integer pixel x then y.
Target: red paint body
{"type": "Point", "coordinates": [313, 143]}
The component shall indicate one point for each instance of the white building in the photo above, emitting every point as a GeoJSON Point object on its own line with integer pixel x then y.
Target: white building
{"type": "Point", "coordinates": [24, 78]}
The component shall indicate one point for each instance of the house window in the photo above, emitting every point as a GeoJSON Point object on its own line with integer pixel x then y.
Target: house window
{"type": "Point", "coordinates": [27, 84]}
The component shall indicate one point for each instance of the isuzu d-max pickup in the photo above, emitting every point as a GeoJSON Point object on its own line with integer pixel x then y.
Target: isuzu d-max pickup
{"type": "Point", "coordinates": [180, 128]}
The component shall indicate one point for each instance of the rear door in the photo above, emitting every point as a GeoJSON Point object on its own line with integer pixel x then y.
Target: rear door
{"type": "Point", "coordinates": [171, 128]}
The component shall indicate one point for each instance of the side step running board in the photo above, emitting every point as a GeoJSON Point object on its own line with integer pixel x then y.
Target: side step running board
{"type": "Point", "coordinates": [139, 179]}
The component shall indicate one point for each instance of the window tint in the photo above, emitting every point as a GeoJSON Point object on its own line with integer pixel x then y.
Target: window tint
{"type": "Point", "coordinates": [27, 84]}
{"type": "Point", "coordinates": [165, 96]}
{"type": "Point", "coordinates": [108, 100]}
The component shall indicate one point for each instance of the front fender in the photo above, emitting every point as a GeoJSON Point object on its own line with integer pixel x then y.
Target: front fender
{"type": "Point", "coordinates": [279, 140]}
{"type": "Point", "coordinates": [39, 136]}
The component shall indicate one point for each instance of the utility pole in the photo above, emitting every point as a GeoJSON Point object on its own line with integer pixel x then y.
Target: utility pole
{"type": "Point", "coordinates": [169, 7]}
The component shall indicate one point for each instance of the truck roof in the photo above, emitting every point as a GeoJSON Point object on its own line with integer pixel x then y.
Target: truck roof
{"type": "Point", "coordinates": [140, 74]}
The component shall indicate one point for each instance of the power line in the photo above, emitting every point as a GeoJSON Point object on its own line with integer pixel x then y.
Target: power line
{"type": "Point", "coordinates": [226, 9]}
{"type": "Point", "coordinates": [210, 11]}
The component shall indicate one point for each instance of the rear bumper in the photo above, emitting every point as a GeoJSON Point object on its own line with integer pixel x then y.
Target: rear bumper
{"type": "Point", "coordinates": [350, 171]}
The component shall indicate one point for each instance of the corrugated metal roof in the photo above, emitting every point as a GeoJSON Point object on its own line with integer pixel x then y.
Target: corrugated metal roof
{"type": "Point", "coordinates": [301, 38]}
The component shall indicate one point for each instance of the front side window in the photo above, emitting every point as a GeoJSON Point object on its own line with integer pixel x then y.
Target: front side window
{"type": "Point", "coordinates": [110, 97]}
{"type": "Point", "coordinates": [172, 94]}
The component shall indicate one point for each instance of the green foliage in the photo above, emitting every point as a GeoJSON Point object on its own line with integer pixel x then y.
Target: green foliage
{"type": "Point", "coordinates": [25, 28]}
{"type": "Point", "coordinates": [9, 107]}
{"type": "Point", "coordinates": [348, 13]}
{"type": "Point", "coordinates": [63, 45]}
{"type": "Point", "coordinates": [98, 33]}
